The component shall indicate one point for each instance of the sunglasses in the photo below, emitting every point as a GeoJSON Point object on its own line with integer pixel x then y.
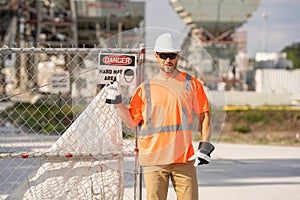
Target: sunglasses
{"type": "Point", "coordinates": [164, 56]}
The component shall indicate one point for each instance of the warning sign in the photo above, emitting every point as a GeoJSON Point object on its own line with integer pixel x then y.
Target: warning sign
{"type": "Point", "coordinates": [112, 64]}
{"type": "Point", "coordinates": [60, 82]}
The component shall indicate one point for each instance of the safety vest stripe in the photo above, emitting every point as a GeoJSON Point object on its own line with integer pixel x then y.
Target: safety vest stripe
{"type": "Point", "coordinates": [161, 129]}
{"type": "Point", "coordinates": [184, 110]}
{"type": "Point", "coordinates": [188, 82]}
{"type": "Point", "coordinates": [184, 126]}
{"type": "Point", "coordinates": [184, 117]}
{"type": "Point", "coordinates": [149, 105]}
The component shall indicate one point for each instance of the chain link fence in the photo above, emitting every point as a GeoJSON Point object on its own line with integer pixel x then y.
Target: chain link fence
{"type": "Point", "coordinates": [58, 137]}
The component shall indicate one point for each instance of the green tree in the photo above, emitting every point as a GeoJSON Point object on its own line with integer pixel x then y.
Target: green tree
{"type": "Point", "coordinates": [293, 54]}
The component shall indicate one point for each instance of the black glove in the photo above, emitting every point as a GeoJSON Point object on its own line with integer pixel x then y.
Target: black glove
{"type": "Point", "coordinates": [114, 93]}
{"type": "Point", "coordinates": [202, 156]}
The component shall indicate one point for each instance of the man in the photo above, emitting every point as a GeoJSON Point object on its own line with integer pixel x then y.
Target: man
{"type": "Point", "coordinates": [163, 107]}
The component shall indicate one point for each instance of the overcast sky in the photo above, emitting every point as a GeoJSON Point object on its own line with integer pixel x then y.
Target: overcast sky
{"type": "Point", "coordinates": [282, 24]}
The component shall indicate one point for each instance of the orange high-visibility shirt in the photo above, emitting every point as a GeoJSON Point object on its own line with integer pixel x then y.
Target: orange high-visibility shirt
{"type": "Point", "coordinates": [164, 110]}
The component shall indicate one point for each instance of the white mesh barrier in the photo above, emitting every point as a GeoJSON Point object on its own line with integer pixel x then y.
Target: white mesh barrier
{"type": "Point", "coordinates": [95, 133]}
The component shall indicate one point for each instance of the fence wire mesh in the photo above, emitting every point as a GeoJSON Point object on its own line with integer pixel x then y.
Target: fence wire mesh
{"type": "Point", "coordinates": [58, 137]}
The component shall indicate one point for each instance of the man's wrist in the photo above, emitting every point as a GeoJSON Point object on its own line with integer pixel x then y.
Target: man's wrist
{"type": "Point", "coordinates": [117, 100]}
{"type": "Point", "coordinates": [206, 147]}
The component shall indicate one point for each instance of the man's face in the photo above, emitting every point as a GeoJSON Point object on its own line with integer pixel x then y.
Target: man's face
{"type": "Point", "coordinates": [167, 61]}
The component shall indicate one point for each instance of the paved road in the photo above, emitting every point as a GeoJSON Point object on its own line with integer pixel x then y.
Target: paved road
{"type": "Point", "coordinates": [236, 172]}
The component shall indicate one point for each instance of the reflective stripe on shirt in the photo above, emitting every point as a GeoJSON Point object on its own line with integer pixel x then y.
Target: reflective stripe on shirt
{"type": "Point", "coordinates": [184, 126]}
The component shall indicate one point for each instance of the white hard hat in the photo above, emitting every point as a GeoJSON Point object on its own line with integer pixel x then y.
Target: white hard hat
{"type": "Point", "coordinates": [166, 43]}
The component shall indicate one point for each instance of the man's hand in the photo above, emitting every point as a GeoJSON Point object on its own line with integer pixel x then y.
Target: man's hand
{"type": "Point", "coordinates": [202, 156]}
{"type": "Point", "coordinates": [114, 93]}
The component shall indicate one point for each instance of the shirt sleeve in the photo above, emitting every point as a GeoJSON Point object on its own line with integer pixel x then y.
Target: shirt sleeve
{"type": "Point", "coordinates": [200, 101]}
{"type": "Point", "coordinates": [135, 106]}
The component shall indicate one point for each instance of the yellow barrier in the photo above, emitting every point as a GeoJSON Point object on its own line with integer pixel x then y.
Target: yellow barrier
{"type": "Point", "coordinates": [245, 108]}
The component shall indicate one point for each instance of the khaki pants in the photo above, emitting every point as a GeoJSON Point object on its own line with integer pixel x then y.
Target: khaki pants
{"type": "Point", "coordinates": [183, 177]}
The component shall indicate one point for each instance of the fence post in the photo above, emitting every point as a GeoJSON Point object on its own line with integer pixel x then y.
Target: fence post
{"type": "Point", "coordinates": [137, 167]}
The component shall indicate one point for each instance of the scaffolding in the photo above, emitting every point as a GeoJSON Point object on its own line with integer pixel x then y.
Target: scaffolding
{"type": "Point", "coordinates": [71, 23]}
